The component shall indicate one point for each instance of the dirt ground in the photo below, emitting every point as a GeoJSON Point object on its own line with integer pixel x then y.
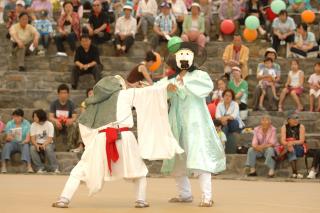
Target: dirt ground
{"type": "Point", "coordinates": [35, 193]}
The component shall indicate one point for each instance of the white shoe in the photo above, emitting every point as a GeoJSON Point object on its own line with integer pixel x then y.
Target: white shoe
{"type": "Point", "coordinates": [4, 170]}
{"type": "Point", "coordinates": [312, 175]}
{"type": "Point", "coordinates": [299, 176]}
{"type": "Point", "coordinates": [57, 171]}
{"type": "Point", "coordinates": [41, 171]}
{"type": "Point", "coordinates": [145, 40]}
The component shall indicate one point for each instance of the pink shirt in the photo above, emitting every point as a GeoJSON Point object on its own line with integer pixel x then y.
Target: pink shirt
{"type": "Point", "coordinates": [259, 138]}
{"type": "Point", "coordinates": [314, 79]}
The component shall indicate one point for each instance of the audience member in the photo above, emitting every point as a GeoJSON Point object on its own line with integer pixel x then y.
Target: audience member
{"type": "Point", "coordinates": [44, 27]}
{"type": "Point", "coordinates": [222, 136]}
{"type": "Point", "coordinates": [146, 13]}
{"type": "Point", "coordinates": [298, 6]}
{"type": "Point", "coordinates": [68, 28]}
{"type": "Point", "coordinates": [42, 132]}
{"type": "Point", "coordinates": [39, 5]}
{"type": "Point", "coordinates": [179, 10]}
{"type": "Point", "coordinates": [236, 54]}
{"type": "Point", "coordinates": [314, 83]}
{"type": "Point", "coordinates": [293, 86]}
{"type": "Point", "coordinates": [228, 113]}
{"type": "Point", "coordinates": [12, 16]}
{"type": "Point", "coordinates": [315, 165]}
{"type": "Point", "coordinates": [125, 31]}
{"type": "Point", "coordinates": [98, 26]}
{"type": "Point", "coordinates": [17, 140]}
{"type": "Point", "coordinates": [165, 25]}
{"type": "Point", "coordinates": [206, 11]}
{"type": "Point", "coordinates": [63, 116]}
{"type": "Point", "coordinates": [293, 140]}
{"type": "Point", "coordinates": [271, 104]}
{"type": "Point", "coordinates": [283, 31]}
{"type": "Point", "coordinates": [87, 61]}
{"type": "Point", "coordinates": [305, 44]}
{"type": "Point", "coordinates": [239, 87]}
{"type": "Point", "coordinates": [217, 97]}
{"type": "Point", "coordinates": [229, 9]}
{"type": "Point", "coordinates": [25, 39]}
{"type": "Point", "coordinates": [255, 8]}
{"type": "Point", "coordinates": [194, 27]}
{"type": "Point", "coordinates": [139, 75]}
{"type": "Point", "coordinates": [263, 143]}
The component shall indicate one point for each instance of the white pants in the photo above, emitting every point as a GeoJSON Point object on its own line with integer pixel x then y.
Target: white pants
{"type": "Point", "coordinates": [74, 182]}
{"type": "Point", "coordinates": [183, 183]}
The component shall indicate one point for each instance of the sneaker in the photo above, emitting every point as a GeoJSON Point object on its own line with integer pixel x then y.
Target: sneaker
{"type": "Point", "coordinates": [30, 170]}
{"type": "Point", "coordinates": [61, 203]}
{"type": "Point", "coordinates": [4, 170]}
{"type": "Point", "coordinates": [299, 176]}
{"type": "Point", "coordinates": [145, 40]}
{"type": "Point", "coordinates": [294, 176]}
{"type": "Point", "coordinates": [56, 171]}
{"type": "Point", "coordinates": [141, 204]}
{"type": "Point", "coordinates": [312, 175]}
{"type": "Point", "coordinates": [41, 171]}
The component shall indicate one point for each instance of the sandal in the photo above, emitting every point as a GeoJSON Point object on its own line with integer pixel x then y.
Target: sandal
{"type": "Point", "coordinates": [61, 203]}
{"type": "Point", "coordinates": [206, 204]}
{"type": "Point", "coordinates": [181, 200]}
{"type": "Point", "coordinates": [141, 204]}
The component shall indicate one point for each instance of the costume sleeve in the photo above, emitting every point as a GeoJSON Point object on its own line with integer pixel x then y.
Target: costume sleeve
{"type": "Point", "coordinates": [198, 84]}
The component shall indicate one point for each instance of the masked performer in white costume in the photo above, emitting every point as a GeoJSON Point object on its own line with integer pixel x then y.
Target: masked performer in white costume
{"type": "Point", "coordinates": [192, 125]}
{"type": "Point", "coordinates": [111, 149]}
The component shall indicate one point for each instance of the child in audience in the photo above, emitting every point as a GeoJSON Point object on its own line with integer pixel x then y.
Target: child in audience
{"type": "Point", "coordinates": [267, 81]}
{"type": "Point", "coordinates": [222, 136]}
{"type": "Point", "coordinates": [217, 97]}
{"type": "Point", "coordinates": [314, 83]}
{"type": "Point", "coordinates": [44, 27]}
{"type": "Point", "coordinates": [294, 86]}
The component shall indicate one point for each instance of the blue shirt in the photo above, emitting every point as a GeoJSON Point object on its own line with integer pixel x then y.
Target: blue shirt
{"type": "Point", "coordinates": [11, 129]}
{"type": "Point", "coordinates": [44, 27]}
{"type": "Point", "coordinates": [165, 23]}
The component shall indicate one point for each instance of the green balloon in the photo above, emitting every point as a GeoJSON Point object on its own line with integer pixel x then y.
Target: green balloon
{"type": "Point", "coordinates": [173, 44]}
{"type": "Point", "coordinates": [298, 1]}
{"type": "Point", "coordinates": [252, 22]}
{"type": "Point", "coordinates": [278, 5]}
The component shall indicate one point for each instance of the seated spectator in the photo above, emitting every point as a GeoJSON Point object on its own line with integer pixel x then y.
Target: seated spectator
{"type": "Point", "coordinates": [98, 26]}
{"type": "Point", "coordinates": [146, 13]}
{"type": "Point", "coordinates": [255, 8]}
{"type": "Point", "coordinates": [44, 27]}
{"type": "Point", "coordinates": [298, 6]}
{"type": "Point", "coordinates": [77, 8]}
{"type": "Point", "coordinates": [217, 97]}
{"type": "Point", "coordinates": [269, 81]}
{"type": "Point", "coordinates": [206, 11]}
{"type": "Point", "coordinates": [271, 104]}
{"type": "Point", "coordinates": [315, 165]}
{"type": "Point", "coordinates": [263, 143]}
{"type": "Point", "coordinates": [229, 9]}
{"type": "Point", "coordinates": [68, 28]}
{"type": "Point", "coordinates": [228, 113]}
{"type": "Point", "coordinates": [87, 61]}
{"type": "Point", "coordinates": [222, 136]}
{"type": "Point", "coordinates": [239, 87]}
{"type": "Point", "coordinates": [139, 75]}
{"type": "Point", "coordinates": [314, 83]}
{"type": "Point", "coordinates": [9, 8]}
{"type": "Point", "coordinates": [11, 17]}
{"type": "Point", "coordinates": [236, 54]}
{"type": "Point", "coordinates": [25, 39]}
{"type": "Point", "coordinates": [194, 26]}
{"type": "Point", "coordinates": [283, 31]}
{"type": "Point", "coordinates": [293, 86]}
{"type": "Point", "coordinates": [125, 31]}
{"type": "Point", "coordinates": [179, 10]}
{"type": "Point", "coordinates": [41, 133]}
{"type": "Point", "coordinates": [293, 139]}
{"type": "Point", "coordinates": [63, 116]}
{"type": "Point", "coordinates": [17, 140]}
{"type": "Point", "coordinates": [164, 25]}
{"type": "Point", "coordinates": [305, 44]}
{"type": "Point", "coordinates": [38, 5]}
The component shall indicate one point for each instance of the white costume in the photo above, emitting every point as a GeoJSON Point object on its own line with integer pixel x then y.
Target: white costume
{"type": "Point", "coordinates": [156, 141]}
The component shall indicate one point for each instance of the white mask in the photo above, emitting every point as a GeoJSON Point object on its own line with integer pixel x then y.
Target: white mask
{"type": "Point", "coordinates": [184, 58]}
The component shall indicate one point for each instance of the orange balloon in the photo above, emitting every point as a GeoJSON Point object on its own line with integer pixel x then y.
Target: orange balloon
{"type": "Point", "coordinates": [156, 64]}
{"type": "Point", "coordinates": [308, 16]}
{"type": "Point", "coordinates": [250, 35]}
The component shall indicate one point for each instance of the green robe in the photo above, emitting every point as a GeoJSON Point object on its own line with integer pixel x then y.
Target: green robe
{"type": "Point", "coordinates": [193, 127]}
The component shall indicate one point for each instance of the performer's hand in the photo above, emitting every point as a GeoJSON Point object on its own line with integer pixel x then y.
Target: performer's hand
{"type": "Point", "coordinates": [172, 88]}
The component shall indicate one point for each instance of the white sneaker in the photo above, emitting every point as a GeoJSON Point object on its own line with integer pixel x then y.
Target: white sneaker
{"type": "Point", "coordinates": [312, 175]}
{"type": "Point", "coordinates": [299, 176]}
{"type": "Point", "coordinates": [57, 171]}
{"type": "Point", "coordinates": [41, 171]}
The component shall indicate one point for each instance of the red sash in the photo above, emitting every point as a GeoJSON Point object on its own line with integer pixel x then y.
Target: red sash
{"type": "Point", "coordinates": [111, 147]}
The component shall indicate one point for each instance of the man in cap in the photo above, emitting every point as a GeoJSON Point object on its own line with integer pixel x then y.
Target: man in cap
{"type": "Point", "coordinates": [125, 30]}
{"type": "Point", "coordinates": [165, 25]}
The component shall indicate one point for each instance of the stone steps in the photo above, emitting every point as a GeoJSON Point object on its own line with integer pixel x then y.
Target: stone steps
{"type": "Point", "coordinates": [235, 165]}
